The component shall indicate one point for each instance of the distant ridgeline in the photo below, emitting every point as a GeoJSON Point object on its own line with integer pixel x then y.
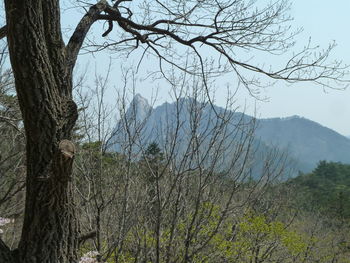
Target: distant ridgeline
{"type": "Point", "coordinates": [306, 142]}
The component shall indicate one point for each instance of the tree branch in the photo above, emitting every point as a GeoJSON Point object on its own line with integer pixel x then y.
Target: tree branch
{"type": "Point", "coordinates": [85, 237]}
{"type": "Point", "coordinates": [11, 122]}
{"type": "Point", "coordinates": [3, 32]}
{"type": "Point", "coordinates": [225, 27]}
{"type": "Point", "coordinates": [78, 37]}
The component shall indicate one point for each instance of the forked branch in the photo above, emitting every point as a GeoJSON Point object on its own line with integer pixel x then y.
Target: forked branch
{"type": "Point", "coordinates": [225, 27]}
{"type": "Point", "coordinates": [78, 37]}
{"type": "Point", "coordinates": [222, 27]}
{"type": "Point", "coordinates": [3, 32]}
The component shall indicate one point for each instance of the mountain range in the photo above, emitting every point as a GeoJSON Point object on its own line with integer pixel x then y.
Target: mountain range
{"type": "Point", "coordinates": [306, 142]}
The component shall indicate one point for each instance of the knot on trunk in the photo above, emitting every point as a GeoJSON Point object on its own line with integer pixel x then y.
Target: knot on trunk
{"type": "Point", "coordinates": [67, 149]}
{"type": "Point", "coordinates": [64, 161]}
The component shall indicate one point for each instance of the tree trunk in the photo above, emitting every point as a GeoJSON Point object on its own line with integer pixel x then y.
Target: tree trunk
{"type": "Point", "coordinates": [44, 89]}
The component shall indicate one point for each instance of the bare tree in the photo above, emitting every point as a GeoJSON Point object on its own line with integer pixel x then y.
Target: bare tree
{"type": "Point", "coordinates": [43, 67]}
{"type": "Point", "coordinates": [153, 201]}
{"type": "Point", "coordinates": [12, 161]}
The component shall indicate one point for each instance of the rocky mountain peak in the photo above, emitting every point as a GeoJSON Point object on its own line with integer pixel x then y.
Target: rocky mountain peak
{"type": "Point", "coordinates": [139, 107]}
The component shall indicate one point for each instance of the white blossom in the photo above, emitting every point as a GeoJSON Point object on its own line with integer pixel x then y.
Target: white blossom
{"type": "Point", "coordinates": [5, 221]}
{"type": "Point", "coordinates": [89, 257]}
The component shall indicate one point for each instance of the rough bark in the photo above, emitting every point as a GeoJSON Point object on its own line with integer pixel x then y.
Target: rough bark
{"type": "Point", "coordinates": [42, 67]}
{"type": "Point", "coordinates": [6, 255]}
{"type": "Point", "coordinates": [44, 89]}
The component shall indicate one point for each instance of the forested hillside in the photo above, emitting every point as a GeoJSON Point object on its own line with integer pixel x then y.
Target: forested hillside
{"type": "Point", "coordinates": [326, 189]}
{"type": "Point", "coordinates": [305, 140]}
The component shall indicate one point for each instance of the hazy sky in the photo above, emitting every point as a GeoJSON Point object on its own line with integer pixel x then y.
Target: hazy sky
{"type": "Point", "coordinates": [323, 21]}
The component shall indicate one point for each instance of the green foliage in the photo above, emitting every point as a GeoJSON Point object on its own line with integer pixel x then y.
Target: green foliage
{"type": "Point", "coordinates": [252, 239]}
{"type": "Point", "coordinates": [256, 237]}
{"type": "Point", "coordinates": [153, 150]}
{"type": "Point", "coordinates": [326, 189]}
{"type": "Point", "coordinates": [202, 232]}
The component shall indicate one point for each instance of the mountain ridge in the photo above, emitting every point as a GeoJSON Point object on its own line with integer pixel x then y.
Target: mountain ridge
{"type": "Point", "coordinates": [305, 140]}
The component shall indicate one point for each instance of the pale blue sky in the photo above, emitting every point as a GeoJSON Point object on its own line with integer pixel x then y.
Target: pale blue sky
{"type": "Point", "coordinates": [323, 21]}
